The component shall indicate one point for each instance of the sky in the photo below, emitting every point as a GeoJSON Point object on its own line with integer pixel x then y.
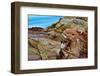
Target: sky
{"type": "Point", "coordinates": [42, 21]}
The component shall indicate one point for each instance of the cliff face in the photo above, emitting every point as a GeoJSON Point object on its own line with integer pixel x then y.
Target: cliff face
{"type": "Point", "coordinates": [73, 30]}
{"type": "Point", "coordinates": [80, 23]}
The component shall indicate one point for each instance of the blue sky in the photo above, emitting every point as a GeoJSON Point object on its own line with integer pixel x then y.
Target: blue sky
{"type": "Point", "coordinates": [42, 21]}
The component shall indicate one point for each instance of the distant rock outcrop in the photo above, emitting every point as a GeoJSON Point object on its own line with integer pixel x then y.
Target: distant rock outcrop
{"type": "Point", "coordinates": [35, 29]}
